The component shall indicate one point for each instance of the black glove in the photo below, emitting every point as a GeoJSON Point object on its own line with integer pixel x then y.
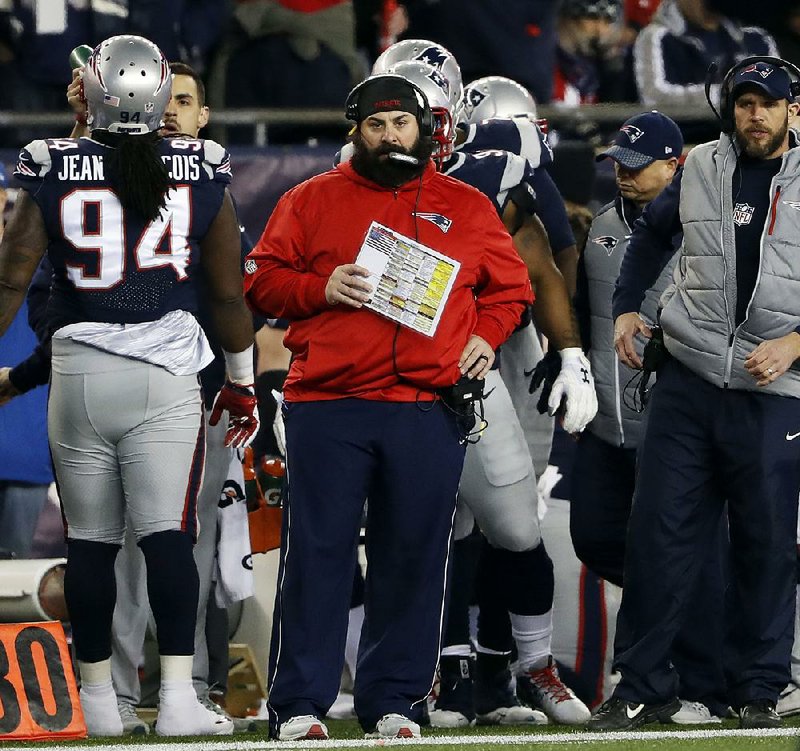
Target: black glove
{"type": "Point", "coordinates": [544, 375]}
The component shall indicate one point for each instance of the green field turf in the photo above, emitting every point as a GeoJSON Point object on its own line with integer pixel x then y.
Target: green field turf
{"type": "Point", "coordinates": [347, 735]}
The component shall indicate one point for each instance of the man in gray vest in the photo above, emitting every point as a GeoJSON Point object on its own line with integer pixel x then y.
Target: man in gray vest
{"type": "Point", "coordinates": [645, 154]}
{"type": "Point", "coordinates": [725, 412]}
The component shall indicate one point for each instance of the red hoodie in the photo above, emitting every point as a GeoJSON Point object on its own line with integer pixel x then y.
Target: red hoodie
{"type": "Point", "coordinates": [339, 351]}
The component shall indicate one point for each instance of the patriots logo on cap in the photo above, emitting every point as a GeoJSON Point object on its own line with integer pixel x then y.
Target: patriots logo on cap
{"type": "Point", "coordinates": [440, 81]}
{"type": "Point", "coordinates": [434, 56]}
{"type": "Point", "coordinates": [442, 222]}
{"type": "Point", "coordinates": [475, 97]}
{"type": "Point", "coordinates": [633, 133]}
{"type": "Point", "coordinates": [755, 69]}
{"type": "Point", "coordinates": [608, 242]}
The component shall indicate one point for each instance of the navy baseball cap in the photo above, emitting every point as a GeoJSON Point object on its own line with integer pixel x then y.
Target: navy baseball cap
{"type": "Point", "coordinates": [643, 139]}
{"type": "Point", "coordinates": [773, 81]}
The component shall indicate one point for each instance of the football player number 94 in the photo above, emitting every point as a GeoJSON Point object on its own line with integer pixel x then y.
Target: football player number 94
{"type": "Point", "coordinates": [93, 220]}
{"type": "Point", "coordinates": [43, 684]}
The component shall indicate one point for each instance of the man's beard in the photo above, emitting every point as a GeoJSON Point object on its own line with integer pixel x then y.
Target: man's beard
{"type": "Point", "coordinates": [387, 172]}
{"type": "Point", "coordinates": [762, 150]}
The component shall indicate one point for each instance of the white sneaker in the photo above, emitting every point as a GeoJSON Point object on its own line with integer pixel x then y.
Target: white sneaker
{"type": "Point", "coordinates": [99, 704]}
{"type": "Point", "coordinates": [303, 728]}
{"type": "Point", "coordinates": [448, 718]}
{"type": "Point", "coordinates": [694, 713]}
{"type": "Point", "coordinates": [343, 708]}
{"type": "Point", "coordinates": [395, 726]}
{"type": "Point", "coordinates": [513, 715]}
{"type": "Point", "coordinates": [190, 717]}
{"type": "Point", "coordinates": [789, 701]}
{"type": "Point", "coordinates": [543, 689]}
{"type": "Point", "coordinates": [132, 724]}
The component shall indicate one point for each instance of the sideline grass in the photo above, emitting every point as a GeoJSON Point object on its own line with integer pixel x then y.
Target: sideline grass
{"type": "Point", "coordinates": [347, 735]}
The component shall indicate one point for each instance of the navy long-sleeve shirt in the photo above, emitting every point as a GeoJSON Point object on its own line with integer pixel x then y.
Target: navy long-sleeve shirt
{"type": "Point", "coordinates": [649, 249]}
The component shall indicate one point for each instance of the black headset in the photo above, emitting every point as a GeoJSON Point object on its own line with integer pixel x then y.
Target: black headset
{"type": "Point", "coordinates": [726, 102]}
{"type": "Point", "coordinates": [423, 114]}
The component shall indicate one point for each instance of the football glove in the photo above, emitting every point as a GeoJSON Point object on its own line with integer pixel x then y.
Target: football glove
{"type": "Point", "coordinates": [576, 384]}
{"type": "Point", "coordinates": [242, 406]}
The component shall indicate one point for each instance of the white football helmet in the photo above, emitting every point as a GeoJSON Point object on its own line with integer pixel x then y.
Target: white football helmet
{"type": "Point", "coordinates": [127, 85]}
{"type": "Point", "coordinates": [436, 88]}
{"type": "Point", "coordinates": [431, 53]}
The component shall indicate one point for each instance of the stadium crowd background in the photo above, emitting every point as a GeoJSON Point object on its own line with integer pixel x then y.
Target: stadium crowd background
{"type": "Point", "coordinates": [278, 71]}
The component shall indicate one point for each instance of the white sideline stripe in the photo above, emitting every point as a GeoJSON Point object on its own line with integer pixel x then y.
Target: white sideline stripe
{"type": "Point", "coordinates": [428, 740]}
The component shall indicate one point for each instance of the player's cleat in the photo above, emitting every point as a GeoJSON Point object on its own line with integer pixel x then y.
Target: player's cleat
{"type": "Point", "coordinates": [759, 714]}
{"type": "Point", "coordinates": [99, 704]}
{"type": "Point", "coordinates": [495, 702]}
{"type": "Point", "coordinates": [789, 701]}
{"type": "Point", "coordinates": [303, 728]}
{"type": "Point", "coordinates": [543, 689]}
{"type": "Point", "coordinates": [454, 705]}
{"type": "Point", "coordinates": [694, 713]}
{"type": "Point", "coordinates": [179, 714]}
{"type": "Point", "coordinates": [619, 714]}
{"type": "Point", "coordinates": [240, 724]}
{"type": "Point", "coordinates": [395, 726]}
{"type": "Point", "coordinates": [132, 724]}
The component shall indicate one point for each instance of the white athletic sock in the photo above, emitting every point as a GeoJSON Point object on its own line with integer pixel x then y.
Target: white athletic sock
{"type": "Point", "coordinates": [533, 635]}
{"type": "Point", "coordinates": [176, 668]}
{"type": "Point", "coordinates": [95, 673]}
{"type": "Point", "coordinates": [354, 624]}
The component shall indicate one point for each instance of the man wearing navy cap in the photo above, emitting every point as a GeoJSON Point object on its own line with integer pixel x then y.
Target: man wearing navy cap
{"type": "Point", "coordinates": [645, 152]}
{"type": "Point", "coordinates": [725, 413]}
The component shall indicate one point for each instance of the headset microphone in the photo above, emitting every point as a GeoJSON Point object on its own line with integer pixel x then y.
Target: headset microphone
{"type": "Point", "coordinates": [712, 69]}
{"type": "Point", "coordinates": [397, 156]}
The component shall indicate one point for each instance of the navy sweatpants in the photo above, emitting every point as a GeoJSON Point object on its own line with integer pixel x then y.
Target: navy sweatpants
{"type": "Point", "coordinates": [602, 496]}
{"type": "Point", "coordinates": [406, 460]}
{"type": "Point", "coordinates": [704, 445]}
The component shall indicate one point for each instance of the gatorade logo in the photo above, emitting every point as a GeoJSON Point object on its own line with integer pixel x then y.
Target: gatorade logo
{"type": "Point", "coordinates": [37, 686]}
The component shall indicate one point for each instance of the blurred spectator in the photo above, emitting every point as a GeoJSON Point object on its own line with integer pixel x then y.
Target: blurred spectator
{"type": "Point", "coordinates": [379, 23]}
{"type": "Point", "coordinates": [25, 469]}
{"type": "Point", "coordinates": [638, 13]}
{"type": "Point", "coordinates": [518, 42]}
{"type": "Point", "coordinates": [586, 36]}
{"type": "Point", "coordinates": [287, 53]}
{"type": "Point", "coordinates": [673, 53]}
{"type": "Point", "coordinates": [787, 33]}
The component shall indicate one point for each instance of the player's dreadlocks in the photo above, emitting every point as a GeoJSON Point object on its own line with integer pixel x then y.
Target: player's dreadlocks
{"type": "Point", "coordinates": [136, 171]}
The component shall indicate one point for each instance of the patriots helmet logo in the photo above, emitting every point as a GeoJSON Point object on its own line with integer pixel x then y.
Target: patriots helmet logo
{"type": "Point", "coordinates": [633, 133]}
{"type": "Point", "coordinates": [442, 222]}
{"type": "Point", "coordinates": [608, 242]}
{"type": "Point", "coordinates": [436, 76]}
{"type": "Point", "coordinates": [754, 68]}
{"type": "Point", "coordinates": [475, 97]}
{"type": "Point", "coordinates": [433, 55]}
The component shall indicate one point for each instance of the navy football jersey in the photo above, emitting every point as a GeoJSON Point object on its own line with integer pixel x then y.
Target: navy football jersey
{"type": "Point", "coordinates": [110, 265]}
{"type": "Point", "coordinates": [493, 173]}
{"type": "Point", "coordinates": [518, 135]}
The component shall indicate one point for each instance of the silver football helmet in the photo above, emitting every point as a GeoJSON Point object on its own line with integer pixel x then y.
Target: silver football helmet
{"type": "Point", "coordinates": [127, 85]}
{"type": "Point", "coordinates": [424, 51]}
{"type": "Point", "coordinates": [437, 91]}
{"type": "Point", "coordinates": [497, 96]}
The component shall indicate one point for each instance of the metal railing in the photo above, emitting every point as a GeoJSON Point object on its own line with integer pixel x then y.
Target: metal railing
{"type": "Point", "coordinates": [261, 119]}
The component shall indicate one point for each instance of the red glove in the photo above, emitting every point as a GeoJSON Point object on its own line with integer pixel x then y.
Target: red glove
{"type": "Point", "coordinates": [242, 407]}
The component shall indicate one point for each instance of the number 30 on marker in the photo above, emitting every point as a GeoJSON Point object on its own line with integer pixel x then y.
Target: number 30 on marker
{"type": "Point", "coordinates": [38, 693]}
